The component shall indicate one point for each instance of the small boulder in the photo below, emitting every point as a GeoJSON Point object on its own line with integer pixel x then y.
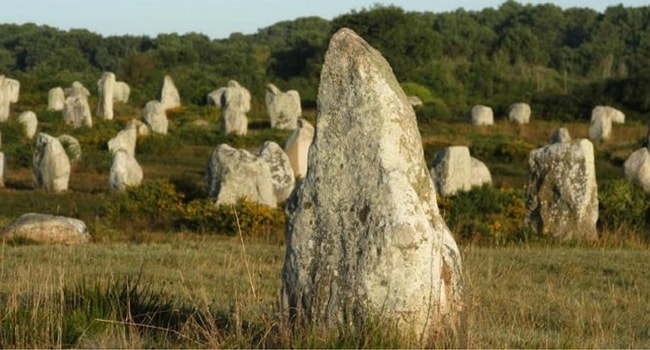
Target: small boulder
{"type": "Point", "coordinates": [30, 123]}
{"type": "Point", "coordinates": [55, 99]}
{"type": "Point", "coordinates": [297, 147]}
{"type": "Point", "coordinates": [561, 135]}
{"type": "Point", "coordinates": [519, 113]}
{"type": "Point", "coordinates": [154, 115]}
{"type": "Point", "coordinates": [481, 115]}
{"type": "Point", "coordinates": [479, 173]}
{"type": "Point", "coordinates": [43, 228]}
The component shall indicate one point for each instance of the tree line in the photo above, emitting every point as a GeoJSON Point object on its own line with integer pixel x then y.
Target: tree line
{"type": "Point", "coordinates": [561, 61]}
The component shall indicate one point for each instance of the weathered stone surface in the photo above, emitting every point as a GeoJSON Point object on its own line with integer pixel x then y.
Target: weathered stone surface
{"type": "Point", "coordinates": [75, 89]}
{"type": "Point", "coordinates": [297, 147]}
{"type": "Point", "coordinates": [43, 228]}
{"type": "Point", "coordinates": [481, 115]}
{"type": "Point", "coordinates": [561, 135]}
{"type": "Point", "coordinates": [9, 91]}
{"type": "Point", "coordinates": [479, 173]}
{"type": "Point", "coordinates": [51, 164]}
{"type": "Point", "coordinates": [124, 140]}
{"type": "Point", "coordinates": [519, 113]}
{"type": "Point", "coordinates": [76, 111]}
{"type": "Point", "coordinates": [235, 103]}
{"type": "Point", "coordinates": [283, 107]}
{"type": "Point", "coordinates": [415, 101]}
{"type": "Point", "coordinates": [125, 171]}
{"type": "Point", "coordinates": [141, 128]}
{"type": "Point", "coordinates": [3, 169]}
{"type": "Point", "coordinates": [105, 88]}
{"type": "Point", "coordinates": [30, 123]}
{"type": "Point", "coordinates": [637, 168]}
{"type": "Point", "coordinates": [71, 146]}
{"type": "Point", "coordinates": [154, 115]}
{"type": "Point", "coordinates": [55, 99]}
{"type": "Point", "coordinates": [601, 124]}
{"type": "Point", "coordinates": [282, 176]}
{"type": "Point", "coordinates": [169, 97]}
{"type": "Point", "coordinates": [365, 238]}
{"type": "Point", "coordinates": [612, 113]}
{"type": "Point", "coordinates": [234, 173]}
{"type": "Point", "coordinates": [214, 97]}
{"type": "Point", "coordinates": [453, 169]}
{"type": "Point", "coordinates": [121, 92]}
{"type": "Point", "coordinates": [562, 194]}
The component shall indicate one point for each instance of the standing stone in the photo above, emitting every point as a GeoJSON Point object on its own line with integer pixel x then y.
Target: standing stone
{"type": "Point", "coordinates": [169, 97]}
{"type": "Point", "coordinates": [297, 147]}
{"type": "Point", "coordinates": [365, 238]}
{"type": "Point", "coordinates": [214, 98]}
{"type": "Point", "coordinates": [154, 115]}
{"type": "Point", "coordinates": [51, 164]}
{"type": "Point", "coordinates": [235, 173]}
{"type": "Point", "coordinates": [76, 111]}
{"type": "Point", "coordinates": [124, 140]}
{"type": "Point", "coordinates": [121, 92]}
{"type": "Point", "coordinates": [453, 169]}
{"type": "Point", "coordinates": [235, 103]}
{"type": "Point", "coordinates": [601, 124]}
{"type": "Point", "coordinates": [562, 194]}
{"type": "Point", "coordinates": [55, 99]}
{"type": "Point", "coordinates": [71, 146]}
{"type": "Point", "coordinates": [481, 115]}
{"type": "Point", "coordinates": [283, 107]}
{"type": "Point", "coordinates": [9, 91]}
{"type": "Point", "coordinates": [105, 87]}
{"type": "Point", "coordinates": [479, 173]}
{"type": "Point", "coordinates": [613, 114]}
{"type": "Point", "coordinates": [561, 135]}
{"type": "Point", "coordinates": [3, 169]}
{"type": "Point", "coordinates": [519, 113]}
{"type": "Point", "coordinates": [637, 168]}
{"type": "Point", "coordinates": [282, 176]}
{"type": "Point", "coordinates": [29, 122]}
{"type": "Point", "coordinates": [77, 88]}
{"type": "Point", "coordinates": [125, 171]}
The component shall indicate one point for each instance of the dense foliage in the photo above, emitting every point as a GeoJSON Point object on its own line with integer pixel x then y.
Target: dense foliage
{"type": "Point", "coordinates": [561, 61]}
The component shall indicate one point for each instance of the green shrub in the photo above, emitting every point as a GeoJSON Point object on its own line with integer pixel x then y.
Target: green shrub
{"type": "Point", "coordinates": [16, 147]}
{"type": "Point", "coordinates": [157, 144]}
{"type": "Point", "coordinates": [623, 205]}
{"type": "Point", "coordinates": [421, 91]}
{"type": "Point", "coordinates": [485, 214]}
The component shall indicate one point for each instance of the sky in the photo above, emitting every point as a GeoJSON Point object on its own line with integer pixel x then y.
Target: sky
{"type": "Point", "coordinates": [219, 18]}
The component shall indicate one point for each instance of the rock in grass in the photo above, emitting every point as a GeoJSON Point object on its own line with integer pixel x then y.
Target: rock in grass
{"type": "Point", "coordinates": [562, 193]}
{"type": "Point", "coordinates": [481, 115]}
{"type": "Point", "coordinates": [43, 228]}
{"type": "Point", "coordinates": [51, 164]}
{"type": "Point", "coordinates": [283, 107]}
{"type": "Point", "coordinates": [519, 113]}
{"type": "Point", "coordinates": [637, 168]}
{"type": "Point", "coordinates": [232, 173]}
{"type": "Point", "coordinates": [297, 147]}
{"type": "Point", "coordinates": [125, 171]}
{"type": "Point", "coordinates": [365, 238]}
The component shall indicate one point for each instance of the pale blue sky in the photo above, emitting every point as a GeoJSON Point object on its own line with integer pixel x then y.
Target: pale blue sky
{"type": "Point", "coordinates": [219, 18]}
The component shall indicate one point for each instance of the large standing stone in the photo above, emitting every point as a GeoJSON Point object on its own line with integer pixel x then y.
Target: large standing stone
{"type": "Point", "coordinates": [562, 194]}
{"type": "Point", "coordinates": [30, 123]}
{"type": "Point", "coordinates": [232, 173]}
{"type": "Point", "coordinates": [55, 99]}
{"type": "Point", "coordinates": [76, 111]}
{"type": "Point", "coordinates": [105, 88]}
{"type": "Point", "coordinates": [282, 176]}
{"type": "Point", "coordinates": [481, 115]}
{"type": "Point", "coordinates": [121, 92]}
{"type": "Point", "coordinates": [43, 228]}
{"type": "Point", "coordinates": [561, 135]}
{"type": "Point", "coordinates": [235, 103]}
{"type": "Point", "coordinates": [51, 164]}
{"type": "Point", "coordinates": [297, 147]}
{"type": "Point", "coordinates": [169, 97]}
{"type": "Point", "coordinates": [125, 140]}
{"type": "Point", "coordinates": [519, 113]}
{"type": "Point", "coordinates": [125, 171]}
{"type": "Point", "coordinates": [365, 238]}
{"type": "Point", "coordinates": [637, 168]}
{"type": "Point", "coordinates": [283, 107]}
{"type": "Point", "coordinates": [154, 115]}
{"type": "Point", "coordinates": [71, 146]}
{"type": "Point", "coordinates": [600, 128]}
{"type": "Point", "coordinates": [9, 91]}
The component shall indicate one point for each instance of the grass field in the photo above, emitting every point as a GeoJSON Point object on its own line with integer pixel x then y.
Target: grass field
{"type": "Point", "coordinates": [144, 282]}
